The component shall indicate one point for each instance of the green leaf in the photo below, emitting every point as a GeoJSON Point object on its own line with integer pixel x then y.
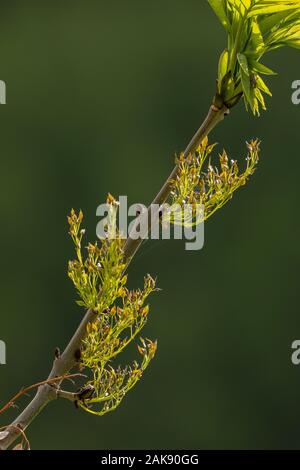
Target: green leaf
{"type": "Point", "coordinates": [219, 9]}
{"type": "Point", "coordinates": [242, 59]}
{"type": "Point", "coordinates": [246, 84]}
{"type": "Point", "coordinates": [257, 40]}
{"type": "Point", "coordinates": [268, 22]}
{"type": "Point", "coordinates": [262, 86]}
{"type": "Point", "coordinates": [223, 65]}
{"type": "Point", "coordinates": [268, 7]}
{"type": "Point", "coordinates": [229, 92]}
{"type": "Point", "coordinates": [260, 68]}
{"type": "Point", "coordinates": [260, 98]}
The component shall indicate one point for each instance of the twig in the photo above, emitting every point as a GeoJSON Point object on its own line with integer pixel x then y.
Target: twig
{"type": "Point", "coordinates": [19, 431]}
{"type": "Point", "coordinates": [65, 362]}
{"type": "Point", "coordinates": [24, 391]}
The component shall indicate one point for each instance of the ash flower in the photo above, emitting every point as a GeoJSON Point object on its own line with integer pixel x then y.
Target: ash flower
{"type": "Point", "coordinates": [121, 315]}
{"type": "Point", "coordinates": [214, 187]}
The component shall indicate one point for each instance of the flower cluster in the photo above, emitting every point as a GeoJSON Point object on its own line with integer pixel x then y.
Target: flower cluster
{"type": "Point", "coordinates": [110, 384]}
{"type": "Point", "coordinates": [120, 316]}
{"type": "Point", "coordinates": [102, 269]}
{"type": "Point", "coordinates": [254, 27]}
{"type": "Point", "coordinates": [213, 187]}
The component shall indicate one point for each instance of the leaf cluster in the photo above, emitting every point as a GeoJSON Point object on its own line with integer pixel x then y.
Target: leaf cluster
{"type": "Point", "coordinates": [254, 28]}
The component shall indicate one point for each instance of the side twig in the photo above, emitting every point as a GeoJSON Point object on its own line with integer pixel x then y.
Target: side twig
{"type": "Point", "coordinates": [25, 391]}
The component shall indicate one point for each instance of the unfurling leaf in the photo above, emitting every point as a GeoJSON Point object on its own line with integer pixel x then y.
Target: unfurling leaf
{"type": "Point", "coordinates": [254, 28]}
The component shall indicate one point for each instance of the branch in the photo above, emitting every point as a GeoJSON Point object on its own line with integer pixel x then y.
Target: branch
{"type": "Point", "coordinates": [64, 363]}
{"type": "Point", "coordinates": [45, 394]}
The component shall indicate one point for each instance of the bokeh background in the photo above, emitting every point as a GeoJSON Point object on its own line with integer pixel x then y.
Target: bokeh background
{"type": "Point", "coordinates": [100, 96]}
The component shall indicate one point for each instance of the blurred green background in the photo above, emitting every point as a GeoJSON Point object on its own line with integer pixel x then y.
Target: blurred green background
{"type": "Point", "coordinates": [100, 95]}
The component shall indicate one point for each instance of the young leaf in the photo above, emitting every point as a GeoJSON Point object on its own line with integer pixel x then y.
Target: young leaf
{"type": "Point", "coordinates": [260, 68]}
{"type": "Point", "coordinates": [219, 9]}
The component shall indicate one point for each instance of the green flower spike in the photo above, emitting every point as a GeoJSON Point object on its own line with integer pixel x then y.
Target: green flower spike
{"type": "Point", "coordinates": [254, 27]}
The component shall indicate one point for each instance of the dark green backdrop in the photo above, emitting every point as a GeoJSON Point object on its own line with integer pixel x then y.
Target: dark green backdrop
{"type": "Point", "coordinates": [100, 95]}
